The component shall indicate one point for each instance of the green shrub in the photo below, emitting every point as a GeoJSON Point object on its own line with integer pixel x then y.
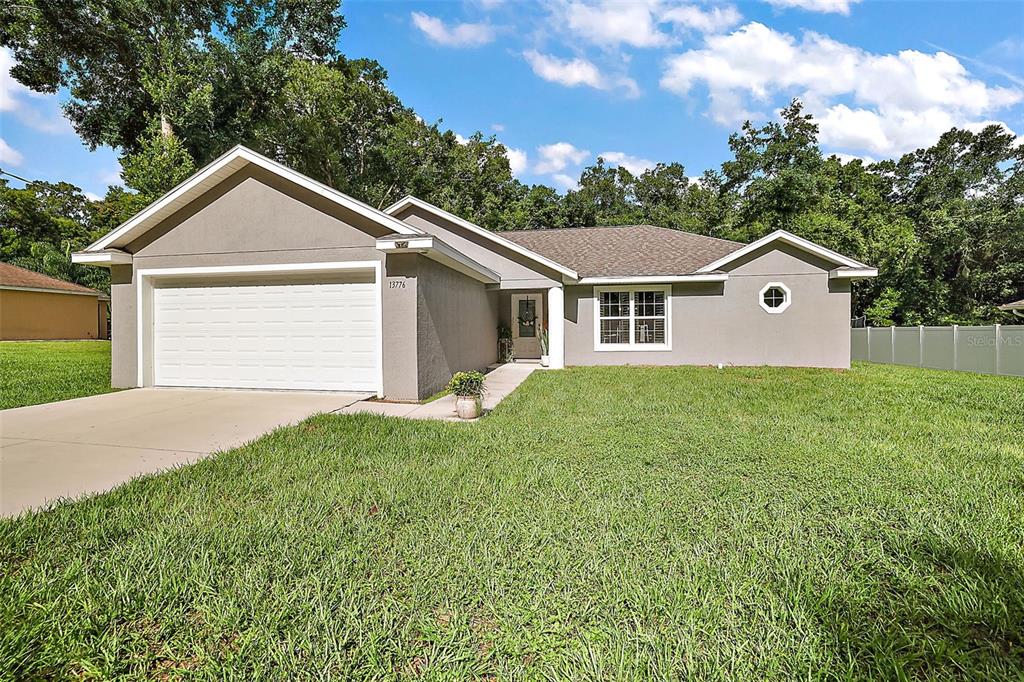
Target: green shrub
{"type": "Point", "coordinates": [467, 384]}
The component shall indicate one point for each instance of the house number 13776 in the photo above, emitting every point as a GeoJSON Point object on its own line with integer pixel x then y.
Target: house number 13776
{"type": "Point", "coordinates": [396, 284]}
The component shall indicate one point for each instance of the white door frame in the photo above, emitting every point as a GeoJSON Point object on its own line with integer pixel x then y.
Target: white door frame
{"type": "Point", "coordinates": [514, 317]}
{"type": "Point", "coordinates": [144, 302]}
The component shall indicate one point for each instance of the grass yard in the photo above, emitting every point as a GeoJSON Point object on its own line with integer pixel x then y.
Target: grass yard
{"type": "Point", "coordinates": [34, 372]}
{"type": "Point", "coordinates": [602, 523]}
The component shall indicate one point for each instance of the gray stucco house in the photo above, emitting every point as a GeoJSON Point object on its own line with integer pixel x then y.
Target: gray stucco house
{"type": "Point", "coordinates": [251, 275]}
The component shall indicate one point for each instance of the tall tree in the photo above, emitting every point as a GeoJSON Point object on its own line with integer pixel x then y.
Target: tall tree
{"type": "Point", "coordinates": [205, 68]}
{"type": "Point", "coordinates": [774, 173]}
{"type": "Point", "coordinates": [40, 212]}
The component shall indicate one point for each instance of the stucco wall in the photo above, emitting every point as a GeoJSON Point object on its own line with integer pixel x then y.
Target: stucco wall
{"type": "Point", "coordinates": [254, 219]}
{"type": "Point", "coordinates": [457, 325]}
{"type": "Point", "coordinates": [37, 315]}
{"type": "Point", "coordinates": [724, 322]}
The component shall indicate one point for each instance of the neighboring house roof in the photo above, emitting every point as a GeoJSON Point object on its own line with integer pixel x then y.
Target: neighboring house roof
{"type": "Point", "coordinates": [1014, 305]}
{"type": "Point", "coordinates": [13, 277]}
{"type": "Point", "coordinates": [625, 251]}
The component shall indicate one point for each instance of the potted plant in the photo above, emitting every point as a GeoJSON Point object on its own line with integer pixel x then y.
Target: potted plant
{"type": "Point", "coordinates": [544, 347]}
{"type": "Point", "coordinates": [506, 351]}
{"type": "Point", "coordinates": [468, 389]}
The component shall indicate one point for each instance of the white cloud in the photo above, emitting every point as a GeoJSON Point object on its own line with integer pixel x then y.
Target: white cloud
{"type": "Point", "coordinates": [498, 127]}
{"type": "Point", "coordinates": [37, 110]}
{"type": "Point", "coordinates": [554, 158]}
{"type": "Point", "coordinates": [565, 181]}
{"type": "Point", "coordinates": [847, 158]}
{"type": "Point", "coordinates": [568, 72]}
{"type": "Point", "coordinates": [517, 160]}
{"type": "Point", "coordinates": [833, 6]}
{"type": "Point", "coordinates": [633, 164]}
{"type": "Point", "coordinates": [9, 154]}
{"type": "Point", "coordinates": [711, 20]}
{"type": "Point", "coordinates": [575, 72]}
{"type": "Point", "coordinates": [641, 23]}
{"type": "Point", "coordinates": [459, 35]}
{"type": "Point", "coordinates": [885, 104]}
{"type": "Point", "coordinates": [460, 139]}
{"type": "Point", "coordinates": [92, 196]}
{"type": "Point", "coordinates": [10, 89]}
{"type": "Point", "coordinates": [978, 126]}
{"type": "Point", "coordinates": [614, 23]}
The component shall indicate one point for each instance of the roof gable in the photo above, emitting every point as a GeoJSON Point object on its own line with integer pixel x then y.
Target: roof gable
{"type": "Point", "coordinates": [212, 175]}
{"type": "Point", "coordinates": [783, 237]}
{"type": "Point", "coordinates": [493, 237]}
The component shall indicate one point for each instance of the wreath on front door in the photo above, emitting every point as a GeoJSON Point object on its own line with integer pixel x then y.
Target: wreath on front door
{"type": "Point", "coordinates": [528, 321]}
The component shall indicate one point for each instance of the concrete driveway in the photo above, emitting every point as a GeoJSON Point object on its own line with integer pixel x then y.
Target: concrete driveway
{"type": "Point", "coordinates": [92, 444]}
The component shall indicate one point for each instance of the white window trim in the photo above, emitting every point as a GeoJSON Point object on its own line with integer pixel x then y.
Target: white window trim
{"type": "Point", "coordinates": [144, 302]}
{"type": "Point", "coordinates": [781, 308]}
{"type": "Point", "coordinates": [632, 345]}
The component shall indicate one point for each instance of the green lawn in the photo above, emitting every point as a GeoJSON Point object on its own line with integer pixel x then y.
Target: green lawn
{"type": "Point", "coordinates": [602, 523]}
{"type": "Point", "coordinates": [34, 372]}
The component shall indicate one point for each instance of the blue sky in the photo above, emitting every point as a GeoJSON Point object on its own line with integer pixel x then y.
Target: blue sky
{"type": "Point", "coordinates": [564, 81]}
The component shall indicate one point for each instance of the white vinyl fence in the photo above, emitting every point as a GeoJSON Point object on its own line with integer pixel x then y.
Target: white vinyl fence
{"type": "Point", "coordinates": [997, 349]}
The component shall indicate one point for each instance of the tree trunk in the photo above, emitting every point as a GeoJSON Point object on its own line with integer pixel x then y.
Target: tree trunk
{"type": "Point", "coordinates": [166, 130]}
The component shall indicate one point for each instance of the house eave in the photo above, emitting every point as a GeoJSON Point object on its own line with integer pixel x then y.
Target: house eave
{"type": "Point", "coordinates": [436, 250]}
{"type": "Point", "coordinates": [656, 279]}
{"type": "Point", "coordinates": [853, 273]}
{"type": "Point", "coordinates": [102, 259]}
{"type": "Point", "coordinates": [43, 290]}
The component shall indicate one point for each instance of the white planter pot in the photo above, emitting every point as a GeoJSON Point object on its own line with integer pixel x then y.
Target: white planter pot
{"type": "Point", "coordinates": [468, 407]}
{"type": "Point", "coordinates": [544, 360]}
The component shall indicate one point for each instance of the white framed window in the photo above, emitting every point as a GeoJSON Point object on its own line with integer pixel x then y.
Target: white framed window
{"type": "Point", "coordinates": [632, 318]}
{"type": "Point", "coordinates": [775, 297]}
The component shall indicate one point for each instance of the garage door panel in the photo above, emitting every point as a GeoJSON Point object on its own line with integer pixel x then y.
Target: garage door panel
{"type": "Point", "coordinates": [299, 336]}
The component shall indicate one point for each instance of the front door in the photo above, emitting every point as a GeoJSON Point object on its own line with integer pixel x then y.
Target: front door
{"type": "Point", "coordinates": [527, 322]}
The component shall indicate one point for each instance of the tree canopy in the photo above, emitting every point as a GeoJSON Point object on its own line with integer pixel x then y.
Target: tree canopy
{"type": "Point", "coordinates": [172, 86]}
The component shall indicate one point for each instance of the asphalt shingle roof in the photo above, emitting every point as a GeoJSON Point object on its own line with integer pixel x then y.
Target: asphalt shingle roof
{"type": "Point", "coordinates": [628, 250]}
{"type": "Point", "coordinates": [13, 276]}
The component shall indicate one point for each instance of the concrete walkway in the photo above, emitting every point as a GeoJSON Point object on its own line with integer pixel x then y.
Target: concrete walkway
{"type": "Point", "coordinates": [498, 384]}
{"type": "Point", "coordinates": [89, 445]}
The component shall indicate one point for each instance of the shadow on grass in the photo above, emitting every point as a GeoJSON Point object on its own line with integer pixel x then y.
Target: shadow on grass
{"type": "Point", "coordinates": [934, 610]}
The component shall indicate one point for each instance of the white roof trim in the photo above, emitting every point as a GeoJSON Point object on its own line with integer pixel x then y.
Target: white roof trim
{"type": "Point", "coordinates": [102, 258]}
{"type": "Point", "coordinates": [792, 240]}
{"type": "Point", "coordinates": [657, 279]}
{"type": "Point", "coordinates": [852, 273]}
{"type": "Point", "coordinates": [216, 171]}
{"type": "Point", "coordinates": [476, 229]}
{"type": "Point", "coordinates": [437, 250]}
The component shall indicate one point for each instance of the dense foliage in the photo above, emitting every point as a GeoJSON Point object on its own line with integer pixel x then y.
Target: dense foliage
{"type": "Point", "coordinates": [174, 86]}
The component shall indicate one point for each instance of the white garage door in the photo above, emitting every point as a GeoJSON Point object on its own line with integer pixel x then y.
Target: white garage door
{"type": "Point", "coordinates": [294, 335]}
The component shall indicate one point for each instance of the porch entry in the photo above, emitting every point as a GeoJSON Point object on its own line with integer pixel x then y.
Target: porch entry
{"type": "Point", "coordinates": [527, 318]}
